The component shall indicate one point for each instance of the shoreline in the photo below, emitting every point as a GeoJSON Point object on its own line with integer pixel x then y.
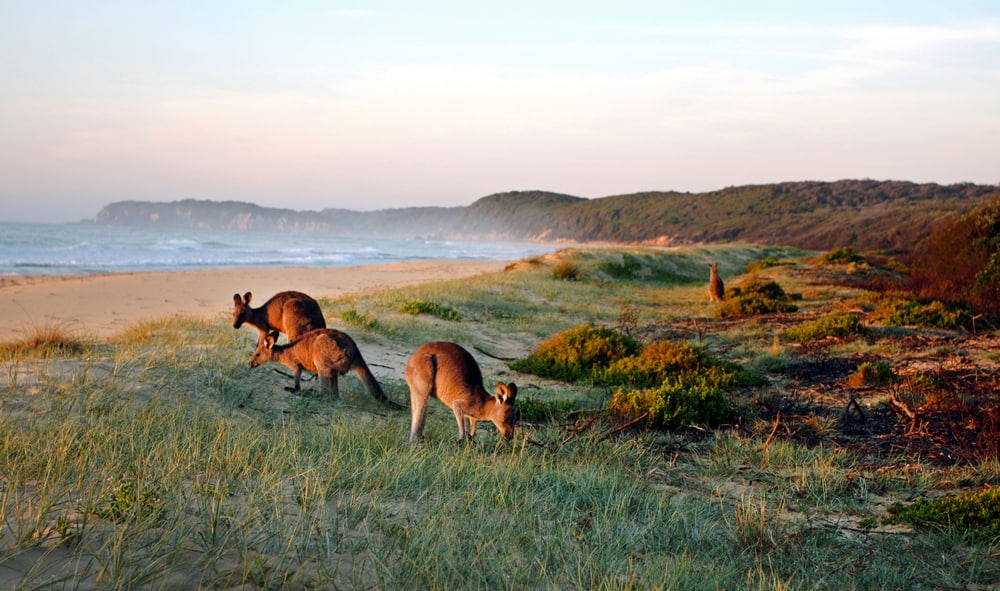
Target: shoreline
{"type": "Point", "coordinates": [98, 306]}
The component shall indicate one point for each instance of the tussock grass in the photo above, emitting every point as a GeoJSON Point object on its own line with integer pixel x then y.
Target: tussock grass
{"type": "Point", "coordinates": [43, 341]}
{"type": "Point", "coordinates": [161, 460]}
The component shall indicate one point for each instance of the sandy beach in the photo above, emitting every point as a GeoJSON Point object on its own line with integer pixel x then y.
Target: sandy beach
{"type": "Point", "coordinates": [98, 306]}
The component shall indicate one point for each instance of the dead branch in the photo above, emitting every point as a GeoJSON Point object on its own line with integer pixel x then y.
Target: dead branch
{"type": "Point", "coordinates": [623, 427]}
{"type": "Point", "coordinates": [853, 402]}
{"type": "Point", "coordinates": [579, 429]}
{"type": "Point", "coordinates": [903, 407]}
{"type": "Point", "coordinates": [774, 429]}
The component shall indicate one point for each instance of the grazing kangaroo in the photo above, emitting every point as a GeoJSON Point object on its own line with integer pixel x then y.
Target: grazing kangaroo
{"type": "Point", "coordinates": [716, 290]}
{"type": "Point", "coordinates": [325, 352]}
{"type": "Point", "coordinates": [291, 312]}
{"type": "Point", "coordinates": [448, 372]}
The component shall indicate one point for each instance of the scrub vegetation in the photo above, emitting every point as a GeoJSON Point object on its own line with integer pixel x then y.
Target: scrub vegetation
{"type": "Point", "coordinates": [662, 444]}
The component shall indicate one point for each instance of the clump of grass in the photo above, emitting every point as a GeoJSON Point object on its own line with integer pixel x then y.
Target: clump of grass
{"type": "Point", "coordinates": [44, 341]}
{"type": "Point", "coordinates": [756, 296]}
{"type": "Point", "coordinates": [840, 325]}
{"type": "Point", "coordinates": [976, 513]}
{"type": "Point", "coordinates": [417, 307]}
{"type": "Point", "coordinates": [871, 374]}
{"type": "Point", "coordinates": [360, 319]}
{"type": "Point", "coordinates": [566, 270]}
{"type": "Point", "coordinates": [756, 527]}
{"type": "Point", "coordinates": [577, 354]}
{"type": "Point", "coordinates": [912, 312]}
{"type": "Point", "coordinates": [842, 255]}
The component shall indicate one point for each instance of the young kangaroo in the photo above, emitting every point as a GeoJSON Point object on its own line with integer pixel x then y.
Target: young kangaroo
{"type": "Point", "coordinates": [448, 372]}
{"type": "Point", "coordinates": [716, 290]}
{"type": "Point", "coordinates": [291, 312]}
{"type": "Point", "coordinates": [325, 352]}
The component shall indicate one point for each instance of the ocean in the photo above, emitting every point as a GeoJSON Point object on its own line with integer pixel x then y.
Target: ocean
{"type": "Point", "coordinates": [84, 249]}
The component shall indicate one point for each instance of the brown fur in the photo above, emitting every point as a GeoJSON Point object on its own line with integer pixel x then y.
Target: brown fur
{"type": "Point", "coordinates": [291, 312]}
{"type": "Point", "coordinates": [716, 289]}
{"type": "Point", "coordinates": [449, 373]}
{"type": "Point", "coordinates": [325, 352]}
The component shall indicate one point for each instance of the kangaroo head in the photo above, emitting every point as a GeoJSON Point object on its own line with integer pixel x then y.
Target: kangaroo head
{"type": "Point", "coordinates": [241, 311]}
{"type": "Point", "coordinates": [505, 394]}
{"type": "Point", "coordinates": [265, 345]}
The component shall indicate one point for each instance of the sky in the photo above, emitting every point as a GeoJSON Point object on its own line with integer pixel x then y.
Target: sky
{"type": "Point", "coordinates": [372, 105]}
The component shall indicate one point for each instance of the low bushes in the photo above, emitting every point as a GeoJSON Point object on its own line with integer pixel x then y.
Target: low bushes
{"type": "Point", "coordinates": [755, 296]}
{"type": "Point", "coordinates": [673, 385]}
{"type": "Point", "coordinates": [577, 354]}
{"type": "Point", "coordinates": [912, 312]}
{"type": "Point", "coordinates": [841, 325]}
{"type": "Point", "coordinates": [977, 513]}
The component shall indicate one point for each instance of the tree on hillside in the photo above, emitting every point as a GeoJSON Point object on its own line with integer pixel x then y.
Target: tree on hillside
{"type": "Point", "coordinates": [960, 261]}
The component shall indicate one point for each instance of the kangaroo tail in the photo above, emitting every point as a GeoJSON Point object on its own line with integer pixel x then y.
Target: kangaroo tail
{"type": "Point", "coordinates": [373, 387]}
{"type": "Point", "coordinates": [434, 374]}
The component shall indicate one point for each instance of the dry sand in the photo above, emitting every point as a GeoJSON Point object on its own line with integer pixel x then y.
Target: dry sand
{"type": "Point", "coordinates": [99, 306]}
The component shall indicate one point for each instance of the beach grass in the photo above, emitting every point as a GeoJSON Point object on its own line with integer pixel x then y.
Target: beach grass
{"type": "Point", "coordinates": [160, 460]}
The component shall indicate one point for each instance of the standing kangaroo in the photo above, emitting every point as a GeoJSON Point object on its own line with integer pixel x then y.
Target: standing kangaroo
{"type": "Point", "coordinates": [291, 312]}
{"type": "Point", "coordinates": [448, 372]}
{"type": "Point", "coordinates": [325, 352]}
{"type": "Point", "coordinates": [716, 290]}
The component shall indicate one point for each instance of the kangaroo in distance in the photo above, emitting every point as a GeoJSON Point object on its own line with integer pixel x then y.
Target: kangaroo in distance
{"type": "Point", "coordinates": [449, 373]}
{"type": "Point", "coordinates": [291, 312]}
{"type": "Point", "coordinates": [325, 352]}
{"type": "Point", "coordinates": [716, 289]}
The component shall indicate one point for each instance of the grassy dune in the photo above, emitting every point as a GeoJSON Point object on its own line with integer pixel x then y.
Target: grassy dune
{"type": "Point", "coordinates": [160, 460]}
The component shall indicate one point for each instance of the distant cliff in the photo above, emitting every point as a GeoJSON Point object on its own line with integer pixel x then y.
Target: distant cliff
{"type": "Point", "coordinates": [864, 214]}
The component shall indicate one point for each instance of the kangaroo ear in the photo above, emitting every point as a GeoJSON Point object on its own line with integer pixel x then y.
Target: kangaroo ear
{"type": "Point", "coordinates": [237, 299]}
{"type": "Point", "coordinates": [505, 392]}
{"type": "Point", "coordinates": [246, 298]}
{"type": "Point", "coordinates": [271, 338]}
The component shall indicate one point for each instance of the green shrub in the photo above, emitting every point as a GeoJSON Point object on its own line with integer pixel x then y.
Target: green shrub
{"type": "Point", "coordinates": [360, 319]}
{"type": "Point", "coordinates": [131, 498]}
{"type": "Point", "coordinates": [836, 325]}
{"type": "Point", "coordinates": [677, 403]}
{"type": "Point", "coordinates": [756, 296]}
{"type": "Point", "coordinates": [577, 354]}
{"type": "Point", "coordinates": [977, 513]}
{"type": "Point", "coordinates": [654, 364]}
{"type": "Point", "coordinates": [869, 375]}
{"type": "Point", "coordinates": [910, 312]}
{"type": "Point", "coordinates": [842, 255]}
{"type": "Point", "coordinates": [416, 307]}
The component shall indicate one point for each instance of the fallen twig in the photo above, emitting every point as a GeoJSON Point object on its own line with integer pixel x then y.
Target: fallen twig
{"type": "Point", "coordinates": [623, 427]}
{"type": "Point", "coordinates": [774, 429]}
{"type": "Point", "coordinates": [579, 429]}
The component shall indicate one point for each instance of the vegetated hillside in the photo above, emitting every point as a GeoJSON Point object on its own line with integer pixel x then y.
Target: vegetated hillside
{"type": "Point", "coordinates": [240, 215]}
{"type": "Point", "coordinates": [868, 215]}
{"type": "Point", "coordinates": [889, 216]}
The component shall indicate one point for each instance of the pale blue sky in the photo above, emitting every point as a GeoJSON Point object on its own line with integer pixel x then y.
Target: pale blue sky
{"type": "Point", "coordinates": [370, 105]}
